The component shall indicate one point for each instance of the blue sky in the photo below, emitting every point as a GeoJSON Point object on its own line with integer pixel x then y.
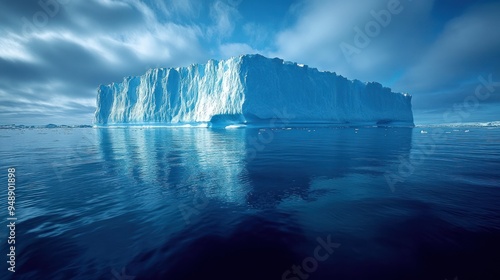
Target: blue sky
{"type": "Point", "coordinates": [54, 53]}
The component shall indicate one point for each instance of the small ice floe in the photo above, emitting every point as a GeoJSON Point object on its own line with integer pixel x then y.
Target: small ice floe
{"type": "Point", "coordinates": [235, 126]}
{"type": "Point", "coordinates": [423, 132]}
{"type": "Point", "coordinates": [466, 131]}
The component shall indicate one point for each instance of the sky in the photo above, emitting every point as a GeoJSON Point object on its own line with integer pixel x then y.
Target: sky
{"type": "Point", "coordinates": [55, 53]}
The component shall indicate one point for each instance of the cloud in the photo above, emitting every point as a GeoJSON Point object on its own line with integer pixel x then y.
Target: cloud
{"type": "Point", "coordinates": [466, 48]}
{"type": "Point", "coordinates": [322, 26]}
{"type": "Point", "coordinates": [80, 46]}
{"type": "Point", "coordinates": [179, 10]}
{"type": "Point", "coordinates": [236, 49]}
{"type": "Point", "coordinates": [53, 58]}
{"type": "Point", "coordinates": [224, 14]}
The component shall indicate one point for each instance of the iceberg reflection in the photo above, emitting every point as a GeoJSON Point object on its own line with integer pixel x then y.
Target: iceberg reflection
{"type": "Point", "coordinates": [258, 167]}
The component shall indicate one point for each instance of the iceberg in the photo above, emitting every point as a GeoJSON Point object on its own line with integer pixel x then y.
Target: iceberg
{"type": "Point", "coordinates": [245, 90]}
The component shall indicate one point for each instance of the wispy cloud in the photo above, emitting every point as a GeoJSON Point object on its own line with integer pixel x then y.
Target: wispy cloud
{"type": "Point", "coordinates": [225, 15]}
{"type": "Point", "coordinates": [236, 49]}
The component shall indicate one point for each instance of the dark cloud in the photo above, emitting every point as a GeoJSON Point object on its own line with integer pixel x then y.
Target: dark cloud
{"type": "Point", "coordinates": [15, 71]}
{"type": "Point", "coordinates": [460, 95]}
{"type": "Point", "coordinates": [467, 47]}
{"type": "Point", "coordinates": [81, 17]}
{"type": "Point", "coordinates": [72, 62]}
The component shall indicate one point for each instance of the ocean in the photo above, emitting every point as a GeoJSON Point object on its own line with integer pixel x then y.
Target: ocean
{"type": "Point", "coordinates": [253, 203]}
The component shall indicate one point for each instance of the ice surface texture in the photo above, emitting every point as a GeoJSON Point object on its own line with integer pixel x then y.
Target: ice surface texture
{"type": "Point", "coordinates": [248, 89]}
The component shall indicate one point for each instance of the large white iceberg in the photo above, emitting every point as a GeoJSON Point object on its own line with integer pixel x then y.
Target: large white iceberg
{"type": "Point", "coordinates": [248, 89]}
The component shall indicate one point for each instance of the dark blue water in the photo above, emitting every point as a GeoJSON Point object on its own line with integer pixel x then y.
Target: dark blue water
{"type": "Point", "coordinates": [301, 203]}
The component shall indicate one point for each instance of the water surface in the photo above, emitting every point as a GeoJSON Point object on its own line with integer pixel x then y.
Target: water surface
{"type": "Point", "coordinates": [197, 203]}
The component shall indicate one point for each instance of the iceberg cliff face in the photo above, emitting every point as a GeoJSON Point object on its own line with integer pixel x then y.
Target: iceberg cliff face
{"type": "Point", "coordinates": [247, 89]}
